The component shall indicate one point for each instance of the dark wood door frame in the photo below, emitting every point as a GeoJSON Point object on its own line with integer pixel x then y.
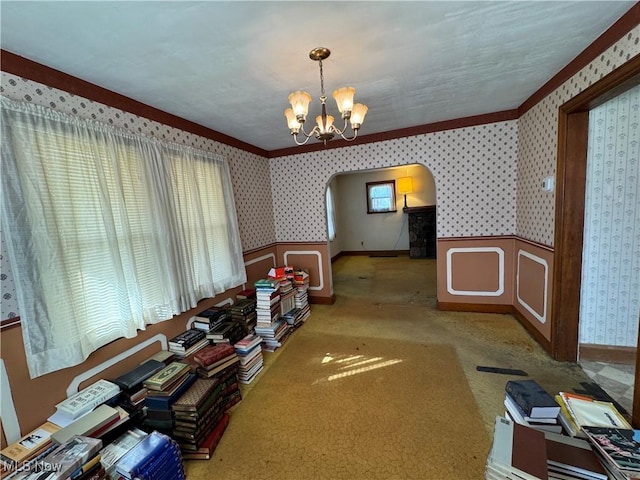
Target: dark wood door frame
{"type": "Point", "coordinates": [573, 124]}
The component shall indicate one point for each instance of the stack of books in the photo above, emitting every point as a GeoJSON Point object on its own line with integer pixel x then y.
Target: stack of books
{"type": "Point", "coordinates": [114, 451]}
{"type": "Point", "coordinates": [572, 458]}
{"type": "Point", "coordinates": [188, 342]}
{"type": "Point", "coordinates": [617, 449]}
{"type": "Point", "coordinates": [269, 325]}
{"type": "Point", "coordinates": [96, 423]}
{"type": "Point", "coordinates": [284, 277]}
{"type": "Point", "coordinates": [527, 403]}
{"type": "Point", "coordinates": [199, 411]}
{"type": "Point", "coordinates": [301, 284]}
{"type": "Point", "coordinates": [249, 352]}
{"type": "Point", "coordinates": [211, 318]}
{"type": "Point", "coordinates": [228, 332]}
{"type": "Point", "coordinates": [216, 360]}
{"type": "Point", "coordinates": [294, 318]}
{"type": "Point", "coordinates": [273, 335]}
{"type": "Point", "coordinates": [267, 300]}
{"type": "Point", "coordinates": [518, 452]}
{"type": "Point", "coordinates": [165, 387]}
{"type": "Point", "coordinates": [83, 402]}
{"type": "Point", "coordinates": [244, 311]}
{"type": "Point", "coordinates": [247, 293]}
{"type": "Point", "coordinates": [156, 457]}
{"type": "Point", "coordinates": [208, 446]}
{"type": "Point", "coordinates": [93, 411]}
{"type": "Point", "coordinates": [525, 453]}
{"type": "Point", "coordinates": [287, 296]}
{"type": "Point", "coordinates": [32, 445]}
{"type": "Point", "coordinates": [77, 458]}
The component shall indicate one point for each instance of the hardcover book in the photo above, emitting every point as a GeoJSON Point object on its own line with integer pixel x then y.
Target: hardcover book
{"type": "Point", "coordinates": [88, 398]}
{"type": "Point", "coordinates": [247, 343]}
{"type": "Point", "coordinates": [220, 370]}
{"type": "Point", "coordinates": [166, 376]}
{"type": "Point", "coordinates": [213, 353]}
{"type": "Point", "coordinates": [518, 451]}
{"type": "Point", "coordinates": [132, 380]}
{"type": "Point", "coordinates": [164, 356]}
{"type": "Point", "coordinates": [33, 442]}
{"type": "Point", "coordinates": [568, 455]}
{"type": "Point", "coordinates": [224, 330]}
{"type": "Point", "coordinates": [534, 400]}
{"type": "Point", "coordinates": [588, 412]}
{"type": "Point", "coordinates": [164, 403]}
{"type": "Point", "coordinates": [187, 338]}
{"type": "Point", "coordinates": [618, 447]}
{"type": "Point", "coordinates": [213, 316]}
{"type": "Point", "coordinates": [248, 293]}
{"type": "Point", "coordinates": [140, 460]}
{"type": "Point", "coordinates": [87, 425]}
{"type": "Point", "coordinates": [193, 398]}
{"type": "Point", "coordinates": [71, 455]}
{"type": "Point", "coordinates": [121, 445]}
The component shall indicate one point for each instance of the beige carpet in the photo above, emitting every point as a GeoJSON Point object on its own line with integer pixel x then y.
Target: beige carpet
{"type": "Point", "coordinates": [427, 417]}
{"type": "Point", "coordinates": [336, 407]}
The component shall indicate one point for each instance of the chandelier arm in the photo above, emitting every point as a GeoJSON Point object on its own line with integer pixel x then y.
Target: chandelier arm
{"type": "Point", "coordinates": [344, 129]}
{"type": "Point", "coordinates": [302, 130]}
{"type": "Point", "coordinates": [355, 134]}
{"type": "Point", "coordinates": [308, 135]}
{"type": "Point", "coordinates": [295, 139]}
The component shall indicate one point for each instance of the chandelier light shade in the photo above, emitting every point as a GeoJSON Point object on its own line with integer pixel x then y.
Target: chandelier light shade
{"type": "Point", "coordinates": [324, 129]}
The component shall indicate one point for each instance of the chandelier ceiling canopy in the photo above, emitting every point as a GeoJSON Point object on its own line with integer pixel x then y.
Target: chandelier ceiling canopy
{"type": "Point", "coordinates": [324, 129]}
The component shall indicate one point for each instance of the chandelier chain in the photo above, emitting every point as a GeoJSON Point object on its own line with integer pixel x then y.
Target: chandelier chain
{"type": "Point", "coordinates": [321, 80]}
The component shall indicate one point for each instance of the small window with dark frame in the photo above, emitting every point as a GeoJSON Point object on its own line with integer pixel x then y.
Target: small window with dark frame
{"type": "Point", "coordinates": [381, 196]}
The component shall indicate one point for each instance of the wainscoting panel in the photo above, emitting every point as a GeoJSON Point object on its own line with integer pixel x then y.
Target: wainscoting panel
{"type": "Point", "coordinates": [532, 279]}
{"type": "Point", "coordinates": [488, 260]}
{"type": "Point", "coordinates": [315, 258]}
{"type": "Point", "coordinates": [534, 285]}
{"type": "Point", "coordinates": [475, 270]}
{"type": "Point", "coordinates": [258, 263]}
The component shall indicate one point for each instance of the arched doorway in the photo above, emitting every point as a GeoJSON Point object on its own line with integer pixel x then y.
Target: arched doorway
{"type": "Point", "coordinates": [362, 233]}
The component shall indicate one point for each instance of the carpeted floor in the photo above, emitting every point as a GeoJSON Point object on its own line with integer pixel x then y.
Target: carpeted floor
{"type": "Point", "coordinates": [380, 385]}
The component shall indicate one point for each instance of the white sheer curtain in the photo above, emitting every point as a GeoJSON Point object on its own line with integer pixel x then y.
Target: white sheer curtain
{"type": "Point", "coordinates": [108, 231]}
{"type": "Point", "coordinates": [331, 214]}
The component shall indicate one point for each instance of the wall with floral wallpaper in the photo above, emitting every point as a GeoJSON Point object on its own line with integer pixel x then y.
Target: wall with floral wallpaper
{"type": "Point", "coordinates": [249, 172]}
{"type": "Point", "coordinates": [474, 170]}
{"type": "Point", "coordinates": [538, 141]}
{"type": "Point", "coordinates": [610, 293]}
{"type": "Point", "coordinates": [537, 157]}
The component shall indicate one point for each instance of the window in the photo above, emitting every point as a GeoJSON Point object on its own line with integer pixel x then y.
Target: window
{"type": "Point", "coordinates": [108, 231]}
{"type": "Point", "coordinates": [381, 196]}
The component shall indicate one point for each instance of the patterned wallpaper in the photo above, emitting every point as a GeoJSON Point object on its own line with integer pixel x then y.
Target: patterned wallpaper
{"type": "Point", "coordinates": [249, 172]}
{"type": "Point", "coordinates": [474, 169]}
{"type": "Point", "coordinates": [538, 141]}
{"type": "Point", "coordinates": [610, 294]}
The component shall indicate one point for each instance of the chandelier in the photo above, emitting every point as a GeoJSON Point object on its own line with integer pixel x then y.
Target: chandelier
{"type": "Point", "coordinates": [325, 129]}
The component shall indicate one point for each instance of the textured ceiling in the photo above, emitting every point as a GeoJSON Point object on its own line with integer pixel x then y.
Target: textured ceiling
{"type": "Point", "coordinates": [230, 65]}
